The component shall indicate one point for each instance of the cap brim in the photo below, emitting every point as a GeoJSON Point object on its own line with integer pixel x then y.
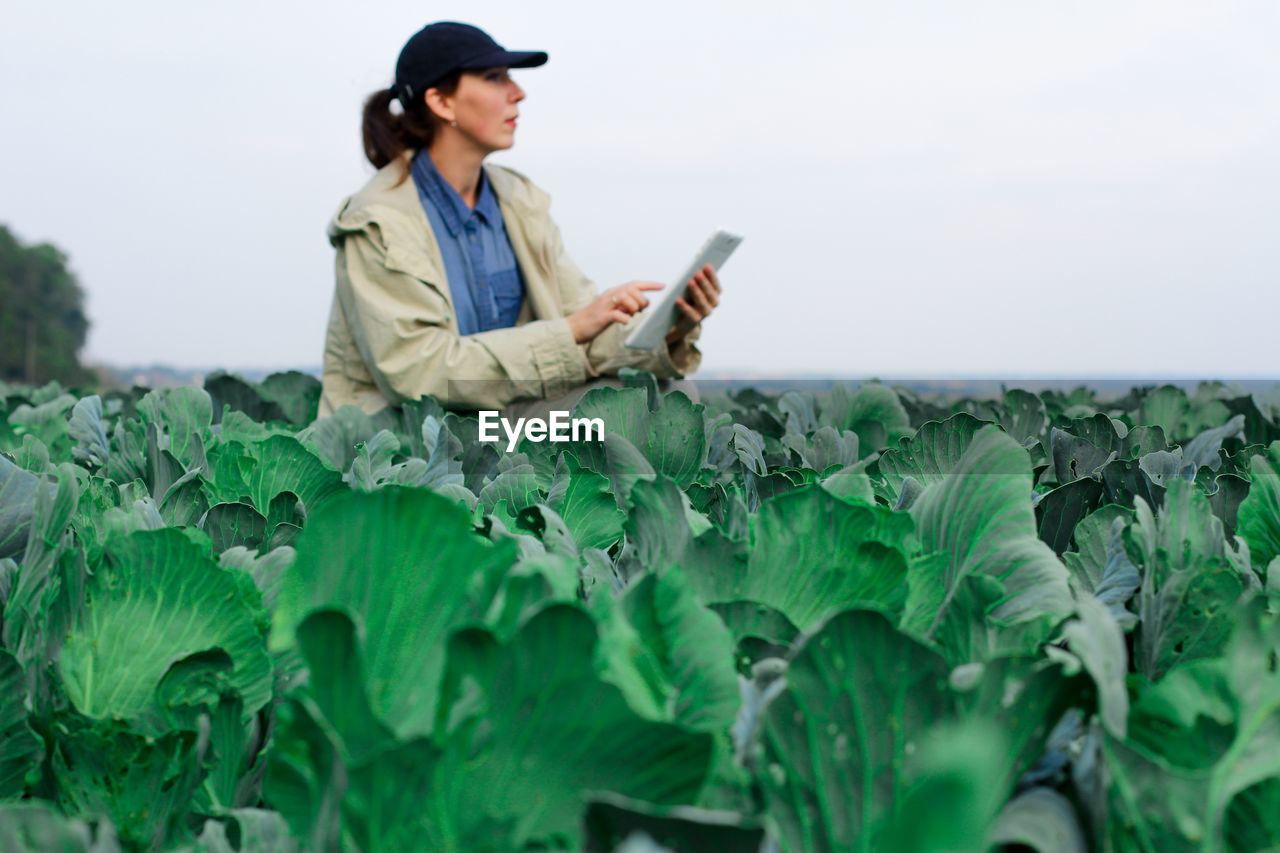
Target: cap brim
{"type": "Point", "coordinates": [507, 58]}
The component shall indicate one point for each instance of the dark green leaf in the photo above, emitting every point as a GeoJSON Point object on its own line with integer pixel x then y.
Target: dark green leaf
{"type": "Point", "coordinates": [20, 749]}
{"type": "Point", "coordinates": [1259, 515]}
{"type": "Point", "coordinates": [980, 520]}
{"type": "Point", "coordinates": [17, 507]}
{"type": "Point", "coordinates": [672, 439]}
{"type": "Point", "coordinates": [234, 524]}
{"type": "Point", "coordinates": [928, 456]}
{"type": "Point", "coordinates": [610, 821]}
{"type": "Point", "coordinates": [407, 567]}
{"type": "Point", "coordinates": [519, 764]}
{"type": "Point", "coordinates": [158, 599]}
{"type": "Point", "coordinates": [693, 647]}
{"type": "Point", "coordinates": [86, 429]}
{"type": "Point", "coordinates": [584, 500]}
{"type": "Point", "coordinates": [833, 782]}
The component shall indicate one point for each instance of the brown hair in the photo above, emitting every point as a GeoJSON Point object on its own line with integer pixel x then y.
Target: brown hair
{"type": "Point", "coordinates": [387, 135]}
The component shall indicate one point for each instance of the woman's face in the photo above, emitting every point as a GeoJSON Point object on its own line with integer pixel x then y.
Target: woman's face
{"type": "Point", "coordinates": [484, 106]}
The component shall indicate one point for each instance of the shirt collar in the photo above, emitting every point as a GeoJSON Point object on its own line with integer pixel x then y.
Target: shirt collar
{"type": "Point", "coordinates": [487, 202]}
{"type": "Point", "coordinates": [453, 210]}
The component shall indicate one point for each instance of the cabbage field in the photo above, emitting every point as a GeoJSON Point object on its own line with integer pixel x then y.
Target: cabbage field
{"type": "Point", "coordinates": [850, 620]}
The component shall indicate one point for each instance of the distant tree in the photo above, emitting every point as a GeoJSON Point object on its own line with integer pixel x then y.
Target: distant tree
{"type": "Point", "coordinates": [42, 319]}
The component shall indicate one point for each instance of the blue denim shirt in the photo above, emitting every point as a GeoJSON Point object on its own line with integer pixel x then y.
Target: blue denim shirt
{"type": "Point", "coordinates": [484, 279]}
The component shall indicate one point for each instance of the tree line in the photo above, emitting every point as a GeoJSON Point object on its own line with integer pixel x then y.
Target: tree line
{"type": "Point", "coordinates": [42, 319]}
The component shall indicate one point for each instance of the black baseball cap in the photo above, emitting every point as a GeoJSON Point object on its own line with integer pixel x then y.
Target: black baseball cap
{"type": "Point", "coordinates": [437, 50]}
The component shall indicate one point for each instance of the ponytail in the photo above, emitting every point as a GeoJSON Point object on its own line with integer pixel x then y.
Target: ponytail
{"type": "Point", "coordinates": [383, 136]}
{"type": "Point", "coordinates": [387, 135]}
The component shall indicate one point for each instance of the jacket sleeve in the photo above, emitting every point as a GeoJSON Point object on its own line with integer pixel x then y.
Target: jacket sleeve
{"type": "Point", "coordinates": [404, 330]}
{"type": "Point", "coordinates": [607, 352]}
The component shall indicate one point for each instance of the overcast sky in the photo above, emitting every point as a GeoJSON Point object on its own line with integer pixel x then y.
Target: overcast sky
{"type": "Point", "coordinates": [926, 188]}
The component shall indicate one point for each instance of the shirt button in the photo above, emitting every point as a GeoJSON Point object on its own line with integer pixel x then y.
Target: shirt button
{"type": "Point", "coordinates": [473, 238]}
{"type": "Point", "coordinates": [483, 282]}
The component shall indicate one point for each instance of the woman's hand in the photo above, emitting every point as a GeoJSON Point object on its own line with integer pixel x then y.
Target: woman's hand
{"type": "Point", "coordinates": [615, 305]}
{"type": "Point", "coordinates": [701, 297]}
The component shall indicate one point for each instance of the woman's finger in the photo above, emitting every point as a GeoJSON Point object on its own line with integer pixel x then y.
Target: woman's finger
{"type": "Point", "coordinates": [637, 293]}
{"type": "Point", "coordinates": [621, 299]}
{"type": "Point", "coordinates": [699, 298]}
{"type": "Point", "coordinates": [690, 313]}
{"type": "Point", "coordinates": [708, 290]}
{"type": "Point", "coordinates": [703, 278]}
{"type": "Point", "coordinates": [713, 285]}
{"type": "Point", "coordinates": [713, 278]}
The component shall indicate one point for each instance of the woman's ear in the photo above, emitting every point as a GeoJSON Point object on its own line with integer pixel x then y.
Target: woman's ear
{"type": "Point", "coordinates": [439, 103]}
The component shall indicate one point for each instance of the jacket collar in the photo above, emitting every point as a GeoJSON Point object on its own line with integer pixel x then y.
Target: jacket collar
{"type": "Point", "coordinates": [392, 187]}
{"type": "Point", "coordinates": [390, 202]}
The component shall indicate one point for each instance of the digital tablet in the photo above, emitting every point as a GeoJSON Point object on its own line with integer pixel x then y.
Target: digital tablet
{"type": "Point", "coordinates": [661, 314]}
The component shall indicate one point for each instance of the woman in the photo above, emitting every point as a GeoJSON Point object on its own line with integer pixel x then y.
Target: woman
{"type": "Point", "coordinates": [451, 276]}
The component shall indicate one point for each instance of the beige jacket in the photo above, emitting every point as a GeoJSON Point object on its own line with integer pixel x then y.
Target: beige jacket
{"type": "Point", "coordinates": [393, 334]}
